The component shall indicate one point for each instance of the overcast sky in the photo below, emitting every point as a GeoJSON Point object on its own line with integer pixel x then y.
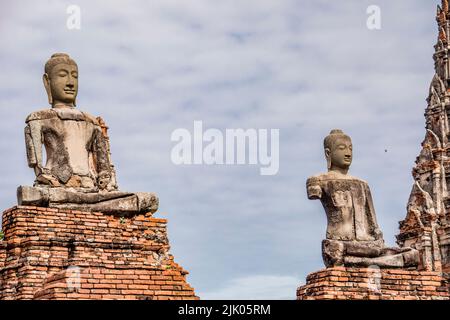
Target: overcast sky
{"type": "Point", "coordinates": [304, 67]}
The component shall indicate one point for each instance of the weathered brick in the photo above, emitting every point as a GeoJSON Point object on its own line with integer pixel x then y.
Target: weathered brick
{"type": "Point", "coordinates": [357, 284]}
{"type": "Point", "coordinates": [100, 248]}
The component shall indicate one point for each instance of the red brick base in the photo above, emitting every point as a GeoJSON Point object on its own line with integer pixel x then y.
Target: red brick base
{"type": "Point", "coordinates": [341, 283]}
{"type": "Point", "coordinates": [66, 254]}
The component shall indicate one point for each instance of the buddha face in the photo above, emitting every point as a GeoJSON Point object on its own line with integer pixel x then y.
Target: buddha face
{"type": "Point", "coordinates": [62, 83]}
{"type": "Point", "coordinates": [340, 154]}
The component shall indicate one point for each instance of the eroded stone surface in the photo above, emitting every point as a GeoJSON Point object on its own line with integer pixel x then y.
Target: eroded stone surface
{"type": "Point", "coordinates": [78, 172]}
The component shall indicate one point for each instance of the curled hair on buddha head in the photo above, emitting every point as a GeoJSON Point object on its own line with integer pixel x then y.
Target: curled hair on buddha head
{"type": "Point", "coordinates": [330, 140]}
{"type": "Point", "coordinates": [56, 59]}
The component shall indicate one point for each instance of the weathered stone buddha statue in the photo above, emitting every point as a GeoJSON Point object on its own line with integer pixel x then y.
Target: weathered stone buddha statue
{"type": "Point", "coordinates": [77, 173]}
{"type": "Point", "coordinates": [353, 237]}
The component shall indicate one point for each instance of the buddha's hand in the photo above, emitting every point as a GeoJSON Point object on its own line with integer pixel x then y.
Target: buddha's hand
{"type": "Point", "coordinates": [47, 178]}
{"type": "Point", "coordinates": [378, 233]}
{"type": "Point", "coordinates": [103, 180]}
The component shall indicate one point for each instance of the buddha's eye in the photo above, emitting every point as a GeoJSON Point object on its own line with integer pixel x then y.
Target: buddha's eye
{"type": "Point", "coordinates": [75, 75]}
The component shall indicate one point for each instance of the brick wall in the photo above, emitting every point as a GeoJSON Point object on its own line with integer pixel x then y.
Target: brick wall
{"type": "Point", "coordinates": [364, 283]}
{"type": "Point", "coordinates": [50, 253]}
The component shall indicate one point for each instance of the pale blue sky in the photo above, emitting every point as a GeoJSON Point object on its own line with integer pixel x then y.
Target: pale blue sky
{"type": "Point", "coordinates": [304, 67]}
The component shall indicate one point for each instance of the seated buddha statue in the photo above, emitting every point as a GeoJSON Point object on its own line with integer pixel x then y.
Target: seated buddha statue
{"type": "Point", "coordinates": [77, 172]}
{"type": "Point", "coordinates": [353, 237]}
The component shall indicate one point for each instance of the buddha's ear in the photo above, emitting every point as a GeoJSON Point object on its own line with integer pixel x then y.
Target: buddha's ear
{"type": "Point", "coordinates": [327, 156]}
{"type": "Point", "coordinates": [46, 81]}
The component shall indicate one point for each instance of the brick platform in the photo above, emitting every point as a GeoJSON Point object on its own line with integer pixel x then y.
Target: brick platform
{"type": "Point", "coordinates": [66, 254]}
{"type": "Point", "coordinates": [341, 283]}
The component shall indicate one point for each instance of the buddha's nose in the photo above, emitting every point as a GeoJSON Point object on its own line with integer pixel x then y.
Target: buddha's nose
{"type": "Point", "coordinates": [70, 81]}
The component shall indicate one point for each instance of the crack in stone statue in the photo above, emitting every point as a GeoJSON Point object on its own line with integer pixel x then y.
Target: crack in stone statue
{"type": "Point", "coordinates": [78, 173]}
{"type": "Point", "coordinates": [353, 236]}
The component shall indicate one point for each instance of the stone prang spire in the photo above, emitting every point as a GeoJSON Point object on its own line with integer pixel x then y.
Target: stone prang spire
{"type": "Point", "coordinates": [426, 226]}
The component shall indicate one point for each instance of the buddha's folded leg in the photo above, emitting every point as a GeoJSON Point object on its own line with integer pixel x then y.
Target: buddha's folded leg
{"type": "Point", "coordinates": [333, 253]}
{"type": "Point", "coordinates": [107, 202]}
{"type": "Point", "coordinates": [366, 254]}
{"type": "Point", "coordinates": [369, 249]}
{"type": "Point", "coordinates": [400, 260]}
{"type": "Point", "coordinates": [394, 261]}
{"type": "Point", "coordinates": [126, 205]}
{"type": "Point", "coordinates": [42, 196]}
{"type": "Point", "coordinates": [411, 258]}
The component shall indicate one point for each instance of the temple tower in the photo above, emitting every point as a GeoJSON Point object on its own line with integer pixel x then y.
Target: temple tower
{"type": "Point", "coordinates": [426, 226]}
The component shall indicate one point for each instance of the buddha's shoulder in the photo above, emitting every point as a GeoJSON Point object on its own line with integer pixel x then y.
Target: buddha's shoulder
{"type": "Point", "coordinates": [62, 114]}
{"type": "Point", "coordinates": [90, 118]}
{"type": "Point", "coordinates": [316, 179]}
{"type": "Point", "coordinates": [41, 115]}
{"type": "Point", "coordinates": [333, 176]}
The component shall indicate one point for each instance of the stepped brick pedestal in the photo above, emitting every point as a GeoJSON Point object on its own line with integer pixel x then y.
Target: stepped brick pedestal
{"type": "Point", "coordinates": [340, 283]}
{"type": "Point", "coordinates": [50, 253]}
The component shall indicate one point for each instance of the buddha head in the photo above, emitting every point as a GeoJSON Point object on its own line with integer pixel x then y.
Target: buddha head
{"type": "Point", "coordinates": [338, 151]}
{"type": "Point", "coordinates": [61, 80]}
